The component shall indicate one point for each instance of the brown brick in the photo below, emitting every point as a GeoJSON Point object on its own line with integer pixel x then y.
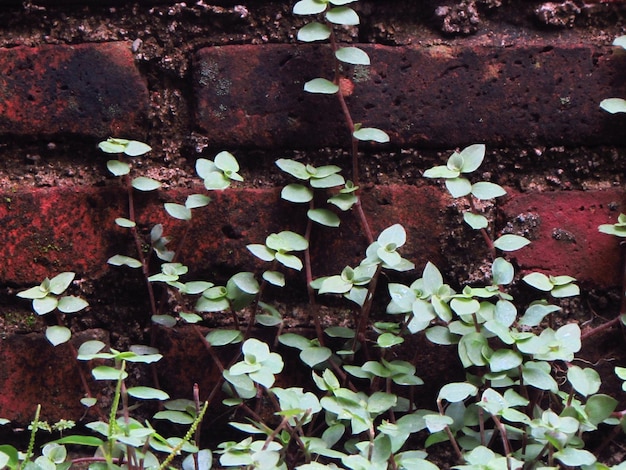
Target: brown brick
{"type": "Point", "coordinates": [87, 89]}
{"type": "Point", "coordinates": [563, 228]}
{"type": "Point", "coordinates": [438, 96]}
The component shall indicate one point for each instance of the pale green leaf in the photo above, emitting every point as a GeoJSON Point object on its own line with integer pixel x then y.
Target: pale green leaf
{"type": "Point", "coordinates": [585, 381]}
{"type": "Point", "coordinates": [177, 417]}
{"type": "Point", "coordinates": [538, 281]}
{"type": "Point", "coordinates": [178, 211]}
{"type": "Point", "coordinates": [224, 337]}
{"type": "Point", "coordinates": [261, 252]}
{"type": "Point", "coordinates": [324, 217]}
{"type": "Point", "coordinates": [147, 393]}
{"type": "Point", "coordinates": [486, 190]}
{"type": "Point", "coordinates": [504, 359]}
{"type": "Point", "coordinates": [309, 7]}
{"type": "Point", "coordinates": [286, 241]}
{"type": "Point", "coordinates": [312, 356]}
{"type": "Point", "coordinates": [371, 134]}
{"type": "Point", "coordinates": [121, 260]}
{"type": "Point", "coordinates": [343, 15]}
{"type": "Point", "coordinates": [321, 85]}
{"type": "Point", "coordinates": [58, 335]}
{"type": "Point", "coordinates": [45, 305]}
{"type": "Point", "coordinates": [296, 193]}
{"type": "Point", "coordinates": [108, 373]}
{"type": "Point", "coordinates": [476, 221]}
{"type": "Point", "coordinates": [118, 168]}
{"type": "Point", "coordinates": [458, 187]}
{"type": "Point", "coordinates": [275, 278]}
{"type": "Point", "coordinates": [614, 105]}
{"type": "Point", "coordinates": [60, 282]}
{"type": "Point", "coordinates": [314, 32]}
{"type": "Point", "coordinates": [294, 168]}
{"type": "Point", "coordinates": [502, 272]}
{"type": "Point", "coordinates": [113, 145]}
{"type": "Point", "coordinates": [142, 183]}
{"type": "Point", "coordinates": [135, 148]}
{"type": "Point", "coordinates": [352, 55]}
{"type": "Point", "coordinates": [167, 321]}
{"type": "Point", "coordinates": [126, 223]}
{"type": "Point", "coordinates": [441, 171]}
{"type": "Point", "coordinates": [456, 391]}
{"type": "Point", "coordinates": [71, 304]}
{"type": "Point", "coordinates": [567, 290]}
{"type": "Point", "coordinates": [290, 261]}
{"type": "Point", "coordinates": [194, 201]}
{"type": "Point", "coordinates": [226, 162]}
{"type": "Point", "coordinates": [620, 41]}
{"type": "Point", "coordinates": [510, 242]}
{"type": "Point", "coordinates": [575, 457]}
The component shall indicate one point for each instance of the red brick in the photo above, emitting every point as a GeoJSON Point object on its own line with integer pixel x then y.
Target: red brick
{"type": "Point", "coordinates": [88, 89]}
{"type": "Point", "coordinates": [35, 372]}
{"type": "Point", "coordinates": [567, 240]}
{"type": "Point", "coordinates": [49, 230]}
{"type": "Point", "coordinates": [439, 96]}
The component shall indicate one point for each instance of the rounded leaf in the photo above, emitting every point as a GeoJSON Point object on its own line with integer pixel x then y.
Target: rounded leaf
{"type": "Point", "coordinates": [458, 187]}
{"type": "Point", "coordinates": [178, 211]}
{"type": "Point", "coordinates": [472, 157]}
{"type": "Point", "coordinates": [456, 391]}
{"type": "Point", "coordinates": [486, 190]}
{"type": "Point", "coordinates": [71, 304]}
{"type": "Point", "coordinates": [312, 356]}
{"type": "Point", "coordinates": [502, 272]}
{"type": "Point", "coordinates": [538, 281]}
{"type": "Point", "coordinates": [314, 32]}
{"type": "Point", "coordinates": [352, 55]}
{"type": "Point", "coordinates": [58, 335]}
{"type": "Point", "coordinates": [308, 7]}
{"type": "Point", "coordinates": [108, 373]}
{"type": "Point", "coordinates": [585, 381]}
{"type": "Point", "coordinates": [118, 168]}
{"type": "Point", "coordinates": [45, 305]}
{"type": "Point", "coordinates": [476, 221]}
{"type": "Point", "coordinates": [614, 105]}
{"type": "Point", "coordinates": [224, 337]}
{"type": "Point", "coordinates": [286, 241]}
{"type": "Point", "coordinates": [194, 201]}
{"type": "Point", "coordinates": [324, 217]}
{"type": "Point", "coordinates": [60, 282]}
{"type": "Point", "coordinates": [371, 134]}
{"type": "Point", "coordinates": [205, 460]}
{"type": "Point", "coordinates": [275, 278]}
{"type": "Point", "coordinates": [343, 15]}
{"type": "Point", "coordinates": [135, 148]}
{"type": "Point", "coordinates": [126, 223]}
{"type": "Point", "coordinates": [121, 260]}
{"type": "Point", "coordinates": [142, 183]}
{"type": "Point", "coordinates": [504, 359]}
{"type": "Point", "coordinates": [510, 242]}
{"type": "Point", "coordinates": [322, 86]}
{"type": "Point", "coordinates": [147, 393]}
{"type": "Point", "coordinates": [296, 193]}
{"type": "Point", "coordinates": [226, 161]}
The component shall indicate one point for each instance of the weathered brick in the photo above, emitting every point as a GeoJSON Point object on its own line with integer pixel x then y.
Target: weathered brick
{"type": "Point", "coordinates": [49, 230]}
{"type": "Point", "coordinates": [438, 96]}
{"type": "Point", "coordinates": [563, 228]}
{"type": "Point", "coordinates": [87, 89]}
{"type": "Point", "coordinates": [35, 372]}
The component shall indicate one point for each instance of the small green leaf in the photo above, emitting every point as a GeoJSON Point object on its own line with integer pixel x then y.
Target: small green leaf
{"type": "Point", "coordinates": [194, 201]}
{"type": "Point", "coordinates": [71, 304]}
{"type": "Point", "coordinates": [614, 105]}
{"type": "Point", "coordinates": [504, 359]}
{"type": "Point", "coordinates": [312, 356]}
{"type": "Point", "coordinates": [45, 305]}
{"type": "Point", "coordinates": [585, 381]}
{"type": "Point", "coordinates": [118, 168]}
{"type": "Point", "coordinates": [178, 211]}
{"type": "Point", "coordinates": [294, 168]}
{"type": "Point", "coordinates": [567, 290]}
{"type": "Point", "coordinates": [314, 32]}
{"type": "Point", "coordinates": [455, 392]}
{"type": "Point", "coordinates": [620, 41]}
{"type": "Point", "coordinates": [458, 187]}
{"type": "Point", "coordinates": [126, 223]}
{"type": "Point", "coordinates": [224, 337]}
{"type": "Point", "coordinates": [167, 321]}
{"type": "Point", "coordinates": [108, 373]}
{"type": "Point", "coordinates": [476, 221]}
{"type": "Point", "coordinates": [324, 217]}
{"type": "Point", "coordinates": [60, 282]}
{"type": "Point", "coordinates": [286, 241]}
{"type": "Point", "coordinates": [575, 457]}
{"type": "Point", "coordinates": [388, 340]}
{"type": "Point", "coordinates": [261, 252]}
{"type": "Point", "coordinates": [113, 145]}
{"type": "Point", "coordinates": [147, 393]}
{"type": "Point", "coordinates": [142, 183]}
{"type": "Point", "coordinates": [135, 148]}
{"type": "Point", "coordinates": [121, 260]}
{"type": "Point", "coordinates": [502, 272]}
{"type": "Point", "coordinates": [177, 417]}
{"type": "Point", "coordinates": [321, 85]}
{"type": "Point", "coordinates": [352, 55]}
{"type": "Point", "coordinates": [226, 162]}
{"type": "Point", "coordinates": [538, 281]}
{"type": "Point", "coordinates": [510, 242]}
{"type": "Point", "coordinates": [296, 193]}
{"type": "Point", "coordinates": [486, 190]}
{"type": "Point", "coordinates": [472, 157]}
{"type": "Point", "coordinates": [275, 278]}
{"type": "Point", "coordinates": [441, 171]}
{"type": "Point", "coordinates": [290, 261]}
{"type": "Point", "coordinates": [58, 335]}
{"type": "Point", "coordinates": [343, 15]}
{"type": "Point", "coordinates": [371, 134]}
{"type": "Point", "coordinates": [308, 7]}
{"type": "Point", "coordinates": [190, 317]}
{"type": "Point", "coordinates": [536, 312]}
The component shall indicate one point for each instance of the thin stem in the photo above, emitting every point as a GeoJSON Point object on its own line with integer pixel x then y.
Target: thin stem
{"type": "Point", "coordinates": [483, 232]}
{"type": "Point", "coordinates": [365, 311]}
{"type": "Point", "coordinates": [313, 308]}
{"type": "Point", "coordinates": [455, 444]}
{"type": "Point", "coordinates": [196, 400]}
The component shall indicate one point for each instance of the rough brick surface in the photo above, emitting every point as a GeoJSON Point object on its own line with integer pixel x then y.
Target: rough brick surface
{"type": "Point", "coordinates": [440, 96]}
{"type": "Point", "coordinates": [88, 89]}
{"type": "Point", "coordinates": [50, 230]}
{"type": "Point", "coordinates": [35, 372]}
{"type": "Point", "coordinates": [563, 227]}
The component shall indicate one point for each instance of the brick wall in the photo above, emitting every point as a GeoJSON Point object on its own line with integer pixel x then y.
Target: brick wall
{"type": "Point", "coordinates": [192, 80]}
